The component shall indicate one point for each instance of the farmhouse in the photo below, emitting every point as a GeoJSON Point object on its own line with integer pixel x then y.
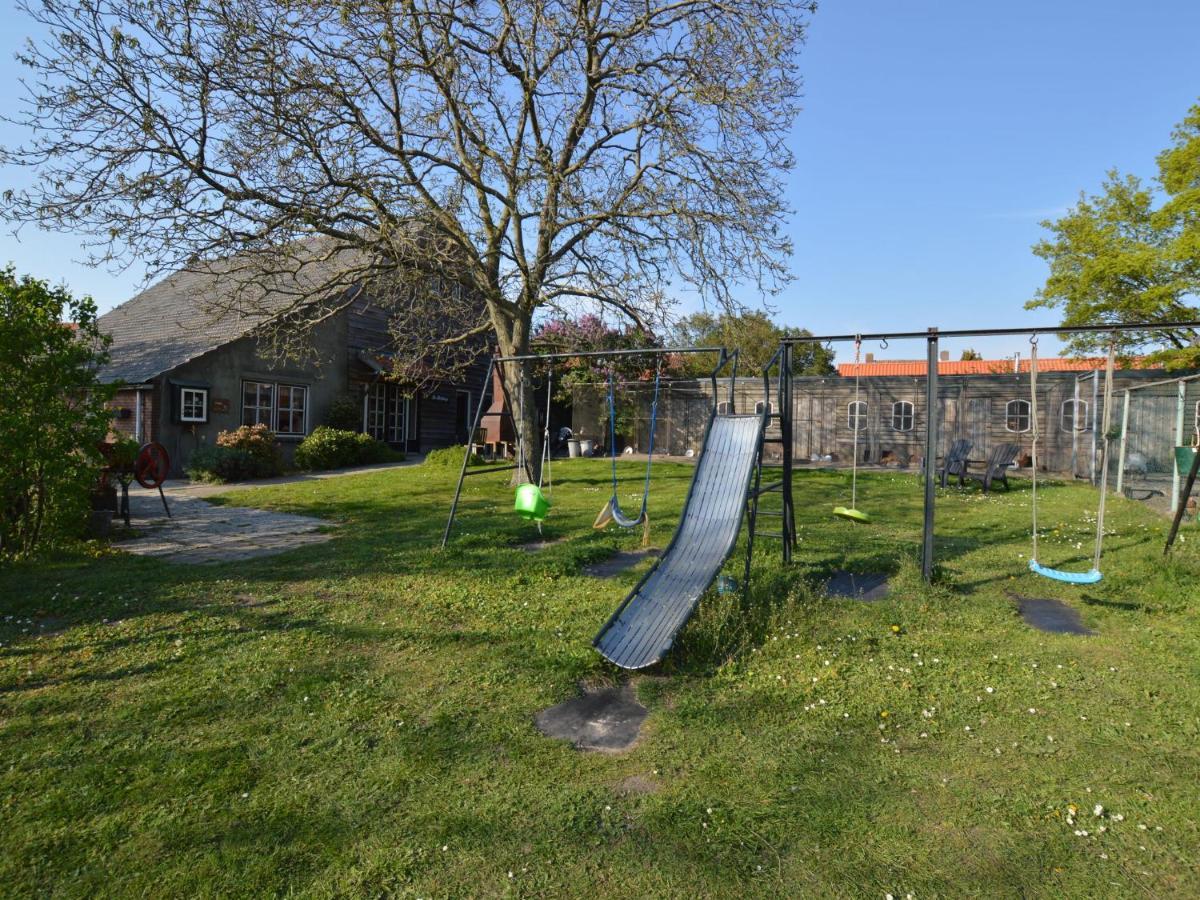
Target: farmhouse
{"type": "Point", "coordinates": [191, 366]}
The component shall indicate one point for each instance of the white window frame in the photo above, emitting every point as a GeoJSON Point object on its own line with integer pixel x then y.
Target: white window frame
{"type": "Point", "coordinates": [724, 407]}
{"type": "Point", "coordinates": [1075, 405]}
{"type": "Point", "coordinates": [291, 390]}
{"type": "Point", "coordinates": [856, 419]}
{"type": "Point", "coordinates": [758, 407]}
{"type": "Point", "coordinates": [375, 410]}
{"type": "Point", "coordinates": [269, 415]}
{"type": "Point", "coordinates": [258, 408]}
{"type": "Point", "coordinates": [911, 415]}
{"type": "Point", "coordinates": [185, 402]}
{"type": "Point", "coordinates": [1009, 416]}
{"type": "Point", "coordinates": [396, 412]}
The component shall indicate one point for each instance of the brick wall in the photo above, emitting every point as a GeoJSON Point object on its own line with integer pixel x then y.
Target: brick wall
{"type": "Point", "coordinates": [124, 423]}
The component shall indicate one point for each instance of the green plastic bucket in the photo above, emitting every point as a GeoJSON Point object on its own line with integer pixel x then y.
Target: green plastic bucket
{"type": "Point", "coordinates": [531, 503]}
{"type": "Point", "coordinates": [1183, 459]}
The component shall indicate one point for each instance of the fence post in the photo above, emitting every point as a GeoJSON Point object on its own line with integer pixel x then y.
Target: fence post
{"type": "Point", "coordinates": [931, 448]}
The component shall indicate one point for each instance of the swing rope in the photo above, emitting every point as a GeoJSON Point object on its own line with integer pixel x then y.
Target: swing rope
{"type": "Point", "coordinates": [1092, 576]}
{"type": "Point", "coordinates": [856, 417]}
{"type": "Point", "coordinates": [612, 510]}
{"type": "Point", "coordinates": [544, 470]}
{"type": "Point", "coordinates": [854, 467]}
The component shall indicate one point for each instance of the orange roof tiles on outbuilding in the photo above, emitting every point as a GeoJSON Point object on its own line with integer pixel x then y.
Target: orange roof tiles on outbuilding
{"type": "Point", "coordinates": [917, 367]}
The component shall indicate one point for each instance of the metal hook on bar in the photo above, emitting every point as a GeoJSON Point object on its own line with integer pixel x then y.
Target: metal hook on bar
{"type": "Point", "coordinates": [883, 345]}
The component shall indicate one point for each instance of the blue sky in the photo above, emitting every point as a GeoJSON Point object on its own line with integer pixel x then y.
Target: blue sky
{"type": "Point", "coordinates": [935, 136]}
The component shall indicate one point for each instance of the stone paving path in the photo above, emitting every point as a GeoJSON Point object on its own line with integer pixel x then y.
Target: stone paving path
{"type": "Point", "coordinates": [198, 532]}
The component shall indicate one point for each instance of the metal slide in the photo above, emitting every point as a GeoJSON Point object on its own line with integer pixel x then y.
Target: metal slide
{"type": "Point", "coordinates": [644, 626]}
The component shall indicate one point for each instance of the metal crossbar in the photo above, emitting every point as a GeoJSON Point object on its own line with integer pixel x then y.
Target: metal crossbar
{"type": "Point", "coordinates": [990, 332]}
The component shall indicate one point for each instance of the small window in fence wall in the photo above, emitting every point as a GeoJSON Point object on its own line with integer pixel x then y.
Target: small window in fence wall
{"type": "Point", "coordinates": [758, 408]}
{"type": "Point", "coordinates": [902, 416]}
{"type": "Point", "coordinates": [1016, 415]}
{"type": "Point", "coordinates": [856, 415]}
{"type": "Point", "coordinates": [1074, 415]}
{"type": "Point", "coordinates": [724, 408]}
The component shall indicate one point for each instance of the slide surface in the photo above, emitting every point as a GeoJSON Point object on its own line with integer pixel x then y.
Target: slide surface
{"type": "Point", "coordinates": [644, 626]}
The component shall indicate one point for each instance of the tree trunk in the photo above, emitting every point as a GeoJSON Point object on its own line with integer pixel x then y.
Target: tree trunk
{"type": "Point", "coordinates": [518, 383]}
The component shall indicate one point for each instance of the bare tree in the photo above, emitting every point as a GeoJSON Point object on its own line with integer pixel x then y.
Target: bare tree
{"type": "Point", "coordinates": [531, 153]}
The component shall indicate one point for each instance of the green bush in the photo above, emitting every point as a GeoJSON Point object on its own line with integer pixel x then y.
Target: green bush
{"type": "Point", "coordinates": [259, 442]}
{"type": "Point", "coordinates": [53, 413]}
{"type": "Point", "coordinates": [345, 414]}
{"type": "Point", "coordinates": [334, 448]}
{"type": "Point", "coordinates": [220, 464]}
{"type": "Point", "coordinates": [451, 457]}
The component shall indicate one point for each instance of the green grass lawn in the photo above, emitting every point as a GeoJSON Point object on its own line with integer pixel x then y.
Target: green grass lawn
{"type": "Point", "coordinates": [356, 719]}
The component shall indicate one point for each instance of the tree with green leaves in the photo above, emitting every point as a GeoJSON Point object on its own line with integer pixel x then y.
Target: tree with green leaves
{"type": "Point", "coordinates": [756, 338]}
{"type": "Point", "coordinates": [970, 355]}
{"type": "Point", "coordinates": [535, 154]}
{"type": "Point", "coordinates": [52, 412]}
{"type": "Point", "coordinates": [1132, 254]}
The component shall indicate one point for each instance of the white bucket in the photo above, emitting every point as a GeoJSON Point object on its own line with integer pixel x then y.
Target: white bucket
{"type": "Point", "coordinates": [587, 446]}
{"type": "Point", "coordinates": [573, 447]}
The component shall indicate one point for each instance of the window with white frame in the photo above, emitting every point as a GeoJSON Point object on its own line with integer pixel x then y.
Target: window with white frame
{"type": "Point", "coordinates": [1074, 416]}
{"type": "Point", "coordinates": [258, 403]}
{"type": "Point", "coordinates": [291, 406]}
{"type": "Point", "coordinates": [1016, 415]}
{"type": "Point", "coordinates": [397, 416]}
{"type": "Point", "coordinates": [902, 416]}
{"type": "Point", "coordinates": [856, 415]}
{"type": "Point", "coordinates": [375, 411]}
{"type": "Point", "coordinates": [724, 408]}
{"type": "Point", "coordinates": [193, 404]}
{"type": "Point", "coordinates": [281, 407]}
{"type": "Point", "coordinates": [760, 405]}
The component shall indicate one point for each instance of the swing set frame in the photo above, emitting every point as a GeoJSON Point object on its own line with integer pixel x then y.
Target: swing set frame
{"type": "Point", "coordinates": [487, 394]}
{"type": "Point", "coordinates": [931, 336]}
{"type": "Point", "coordinates": [782, 362]}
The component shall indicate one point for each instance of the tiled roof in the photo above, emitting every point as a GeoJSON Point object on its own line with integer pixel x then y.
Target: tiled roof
{"type": "Point", "coordinates": [917, 367]}
{"type": "Point", "coordinates": [189, 313]}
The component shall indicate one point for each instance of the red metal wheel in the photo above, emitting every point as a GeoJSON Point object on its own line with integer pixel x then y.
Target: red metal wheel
{"type": "Point", "coordinates": [152, 465]}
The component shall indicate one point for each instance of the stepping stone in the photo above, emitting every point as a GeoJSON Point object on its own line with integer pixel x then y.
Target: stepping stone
{"type": "Point", "coordinates": [608, 719]}
{"type": "Point", "coordinates": [1053, 616]}
{"type": "Point", "coordinates": [621, 561]}
{"type": "Point", "coordinates": [866, 586]}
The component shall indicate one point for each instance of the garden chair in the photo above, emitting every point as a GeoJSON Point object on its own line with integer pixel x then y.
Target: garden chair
{"type": "Point", "coordinates": [996, 466]}
{"type": "Point", "coordinates": [955, 461]}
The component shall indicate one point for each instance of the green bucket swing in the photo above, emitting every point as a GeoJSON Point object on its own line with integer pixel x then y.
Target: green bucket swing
{"type": "Point", "coordinates": [529, 502]}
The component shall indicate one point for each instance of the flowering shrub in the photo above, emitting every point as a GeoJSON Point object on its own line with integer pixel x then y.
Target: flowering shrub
{"type": "Point", "coordinates": [246, 452]}
{"type": "Point", "coordinates": [258, 441]}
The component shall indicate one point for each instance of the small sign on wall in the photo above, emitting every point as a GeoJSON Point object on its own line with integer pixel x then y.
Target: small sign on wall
{"type": "Point", "coordinates": [220, 406]}
{"type": "Point", "coordinates": [440, 398]}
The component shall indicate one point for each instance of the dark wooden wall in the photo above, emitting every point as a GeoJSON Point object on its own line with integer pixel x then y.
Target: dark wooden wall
{"type": "Point", "coordinates": [970, 406]}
